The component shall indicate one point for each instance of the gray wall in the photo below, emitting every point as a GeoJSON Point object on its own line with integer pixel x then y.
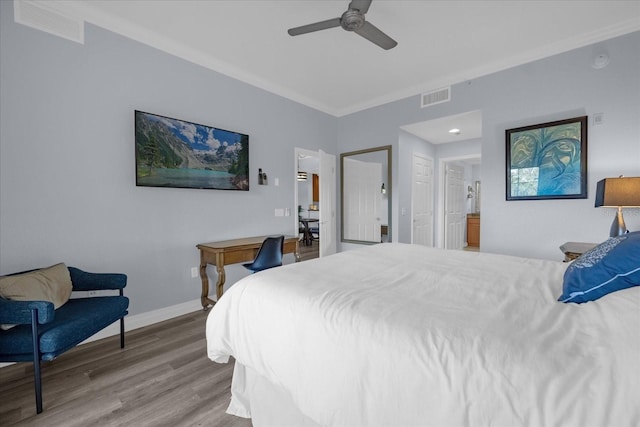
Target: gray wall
{"type": "Point", "coordinates": [67, 184]}
{"type": "Point", "coordinates": [67, 179]}
{"type": "Point", "coordinates": [558, 87]}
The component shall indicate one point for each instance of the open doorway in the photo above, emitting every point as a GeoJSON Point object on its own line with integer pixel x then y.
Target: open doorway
{"type": "Point", "coordinates": [307, 196]}
{"type": "Point", "coordinates": [459, 202]}
{"type": "Point", "coordinates": [315, 201]}
{"type": "Point", "coordinates": [455, 143]}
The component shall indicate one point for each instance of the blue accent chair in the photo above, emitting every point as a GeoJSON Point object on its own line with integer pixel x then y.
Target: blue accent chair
{"type": "Point", "coordinates": [43, 333]}
{"type": "Point", "coordinates": [269, 255]}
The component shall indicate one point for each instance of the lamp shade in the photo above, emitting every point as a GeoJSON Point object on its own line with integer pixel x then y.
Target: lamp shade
{"type": "Point", "coordinates": [618, 192]}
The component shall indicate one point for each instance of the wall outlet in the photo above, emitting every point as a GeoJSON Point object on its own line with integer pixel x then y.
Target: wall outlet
{"type": "Point", "coordinates": [194, 272]}
{"type": "Point", "coordinates": [93, 293]}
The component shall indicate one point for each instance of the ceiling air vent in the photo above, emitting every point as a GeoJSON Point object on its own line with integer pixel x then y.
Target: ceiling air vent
{"type": "Point", "coordinates": [39, 15]}
{"type": "Point", "coordinates": [435, 97]}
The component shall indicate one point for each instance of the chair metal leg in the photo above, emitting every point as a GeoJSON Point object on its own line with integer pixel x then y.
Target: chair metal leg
{"type": "Point", "coordinates": [36, 360]}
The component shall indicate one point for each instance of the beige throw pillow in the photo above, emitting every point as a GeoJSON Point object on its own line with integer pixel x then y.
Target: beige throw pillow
{"type": "Point", "coordinates": [48, 284]}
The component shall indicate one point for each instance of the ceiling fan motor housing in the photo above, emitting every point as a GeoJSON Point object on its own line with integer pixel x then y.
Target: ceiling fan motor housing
{"type": "Point", "coordinates": [352, 20]}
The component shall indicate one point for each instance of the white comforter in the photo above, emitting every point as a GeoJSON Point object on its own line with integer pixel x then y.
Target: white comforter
{"type": "Point", "coordinates": [401, 335]}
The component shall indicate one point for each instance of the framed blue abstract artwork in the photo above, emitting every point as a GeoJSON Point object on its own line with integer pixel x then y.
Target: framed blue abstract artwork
{"type": "Point", "coordinates": [548, 160]}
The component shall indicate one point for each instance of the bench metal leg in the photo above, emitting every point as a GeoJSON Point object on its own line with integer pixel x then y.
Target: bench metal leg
{"type": "Point", "coordinates": [122, 332]}
{"type": "Point", "coordinates": [36, 360]}
{"type": "Point", "coordinates": [121, 326]}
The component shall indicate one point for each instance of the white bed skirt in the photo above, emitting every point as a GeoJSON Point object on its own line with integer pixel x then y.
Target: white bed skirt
{"type": "Point", "coordinates": [255, 397]}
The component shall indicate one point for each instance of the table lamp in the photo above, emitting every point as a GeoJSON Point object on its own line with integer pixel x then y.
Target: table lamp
{"type": "Point", "coordinates": [618, 193]}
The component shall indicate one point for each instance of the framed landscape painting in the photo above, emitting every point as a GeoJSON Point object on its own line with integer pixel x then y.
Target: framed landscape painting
{"type": "Point", "coordinates": [547, 161]}
{"type": "Point", "coordinates": [176, 153]}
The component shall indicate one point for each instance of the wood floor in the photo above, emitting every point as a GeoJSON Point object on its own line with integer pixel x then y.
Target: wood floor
{"type": "Point", "coordinates": [161, 378]}
{"type": "Point", "coordinates": [309, 252]}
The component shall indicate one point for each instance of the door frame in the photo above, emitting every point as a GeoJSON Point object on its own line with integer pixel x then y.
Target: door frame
{"type": "Point", "coordinates": [326, 217]}
{"type": "Point", "coordinates": [296, 153]}
{"type": "Point", "coordinates": [442, 190]}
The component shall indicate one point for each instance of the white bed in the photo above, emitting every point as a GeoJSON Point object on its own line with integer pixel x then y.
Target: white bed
{"type": "Point", "coordinates": [403, 335]}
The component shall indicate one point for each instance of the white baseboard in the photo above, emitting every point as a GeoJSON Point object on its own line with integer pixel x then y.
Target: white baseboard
{"type": "Point", "coordinates": [142, 319]}
{"type": "Point", "coordinates": [146, 319]}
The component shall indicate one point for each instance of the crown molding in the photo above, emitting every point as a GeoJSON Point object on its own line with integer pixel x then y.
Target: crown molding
{"type": "Point", "coordinates": [626, 27]}
{"type": "Point", "coordinates": [95, 16]}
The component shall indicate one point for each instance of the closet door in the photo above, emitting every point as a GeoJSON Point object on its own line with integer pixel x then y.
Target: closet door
{"type": "Point", "coordinates": [422, 201]}
{"type": "Point", "coordinates": [454, 213]}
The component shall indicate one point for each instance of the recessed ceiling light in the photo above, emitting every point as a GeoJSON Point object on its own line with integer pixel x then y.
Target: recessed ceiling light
{"type": "Point", "coordinates": [455, 131]}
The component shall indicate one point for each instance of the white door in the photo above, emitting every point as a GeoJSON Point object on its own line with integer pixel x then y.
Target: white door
{"type": "Point", "coordinates": [454, 207]}
{"type": "Point", "coordinates": [422, 201]}
{"type": "Point", "coordinates": [327, 213]}
{"type": "Point", "coordinates": [362, 200]}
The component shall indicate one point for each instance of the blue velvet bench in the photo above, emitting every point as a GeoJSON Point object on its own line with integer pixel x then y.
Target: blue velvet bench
{"type": "Point", "coordinates": [42, 333]}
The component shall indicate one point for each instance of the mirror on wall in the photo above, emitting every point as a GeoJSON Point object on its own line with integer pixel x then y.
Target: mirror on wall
{"type": "Point", "coordinates": [365, 195]}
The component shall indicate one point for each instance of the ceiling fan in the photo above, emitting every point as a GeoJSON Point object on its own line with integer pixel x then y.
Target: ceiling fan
{"type": "Point", "coordinates": [351, 20]}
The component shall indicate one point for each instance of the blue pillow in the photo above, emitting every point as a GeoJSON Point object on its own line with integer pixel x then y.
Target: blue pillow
{"type": "Point", "coordinates": [609, 267]}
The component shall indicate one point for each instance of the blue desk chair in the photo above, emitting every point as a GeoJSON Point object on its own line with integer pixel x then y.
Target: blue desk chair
{"type": "Point", "coordinates": [269, 255]}
{"type": "Point", "coordinates": [315, 233]}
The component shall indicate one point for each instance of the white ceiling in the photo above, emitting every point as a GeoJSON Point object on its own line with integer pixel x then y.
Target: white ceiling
{"type": "Point", "coordinates": [338, 72]}
{"type": "Point", "coordinates": [439, 43]}
{"type": "Point", "coordinates": [437, 131]}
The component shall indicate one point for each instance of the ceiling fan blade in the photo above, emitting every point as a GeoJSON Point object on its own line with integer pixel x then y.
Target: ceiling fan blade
{"type": "Point", "coordinates": [374, 35]}
{"type": "Point", "coordinates": [360, 5]}
{"type": "Point", "coordinates": [316, 26]}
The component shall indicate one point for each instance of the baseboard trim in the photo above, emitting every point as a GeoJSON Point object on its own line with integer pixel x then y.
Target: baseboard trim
{"type": "Point", "coordinates": [146, 319]}
{"type": "Point", "coordinates": [142, 319]}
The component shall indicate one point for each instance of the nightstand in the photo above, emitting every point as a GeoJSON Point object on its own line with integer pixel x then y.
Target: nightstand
{"type": "Point", "coordinates": [573, 250]}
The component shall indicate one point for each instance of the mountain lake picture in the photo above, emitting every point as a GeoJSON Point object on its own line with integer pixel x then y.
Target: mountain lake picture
{"type": "Point", "coordinates": [176, 153]}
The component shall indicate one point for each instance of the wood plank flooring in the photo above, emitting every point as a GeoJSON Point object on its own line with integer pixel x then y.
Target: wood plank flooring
{"type": "Point", "coordinates": [309, 252]}
{"type": "Point", "coordinates": [161, 378]}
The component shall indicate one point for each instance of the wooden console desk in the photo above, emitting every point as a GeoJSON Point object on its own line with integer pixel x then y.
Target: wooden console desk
{"type": "Point", "coordinates": [232, 252]}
